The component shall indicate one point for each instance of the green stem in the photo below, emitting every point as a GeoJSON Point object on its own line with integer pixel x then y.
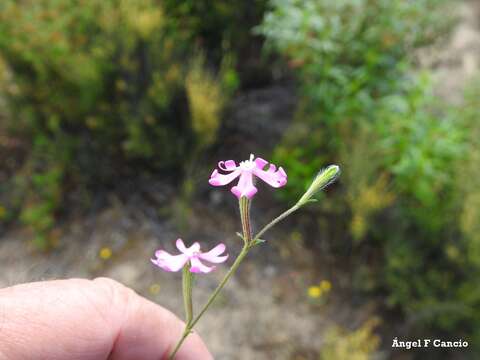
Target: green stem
{"type": "Point", "coordinates": [220, 286]}
{"type": "Point", "coordinates": [186, 332]}
{"type": "Point", "coordinates": [189, 327]}
{"type": "Point", "coordinates": [275, 221]}
{"type": "Point", "coordinates": [187, 280]}
{"type": "Point", "coordinates": [249, 242]}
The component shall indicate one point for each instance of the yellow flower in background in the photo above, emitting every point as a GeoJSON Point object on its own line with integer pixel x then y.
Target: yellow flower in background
{"type": "Point", "coordinates": [325, 285]}
{"type": "Point", "coordinates": [154, 289]}
{"type": "Point", "coordinates": [314, 292]}
{"type": "Point", "coordinates": [105, 253]}
{"type": "Point", "coordinates": [296, 236]}
{"type": "Point", "coordinates": [317, 291]}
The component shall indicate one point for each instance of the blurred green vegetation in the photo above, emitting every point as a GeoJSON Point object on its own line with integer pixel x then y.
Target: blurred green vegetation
{"type": "Point", "coordinates": [217, 26]}
{"type": "Point", "coordinates": [359, 344]}
{"type": "Point", "coordinates": [409, 189]}
{"type": "Point", "coordinates": [105, 88]}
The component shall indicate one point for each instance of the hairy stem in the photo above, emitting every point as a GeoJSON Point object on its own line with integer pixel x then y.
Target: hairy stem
{"type": "Point", "coordinates": [275, 221]}
{"type": "Point", "coordinates": [220, 286]}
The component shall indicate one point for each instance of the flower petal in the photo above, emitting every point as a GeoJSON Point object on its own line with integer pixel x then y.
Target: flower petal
{"type": "Point", "coordinates": [260, 163]}
{"type": "Point", "coordinates": [181, 246]}
{"type": "Point", "coordinates": [228, 165]}
{"type": "Point", "coordinates": [245, 186]}
{"type": "Point", "coordinates": [213, 259]}
{"type": "Point", "coordinates": [217, 179]}
{"type": "Point", "coordinates": [195, 247]}
{"type": "Point", "coordinates": [199, 267]}
{"type": "Point", "coordinates": [213, 255]}
{"type": "Point", "coordinates": [169, 262]}
{"type": "Point", "coordinates": [272, 176]}
{"type": "Point", "coordinates": [217, 250]}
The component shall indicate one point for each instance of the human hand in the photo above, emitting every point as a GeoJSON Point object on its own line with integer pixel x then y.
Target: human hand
{"type": "Point", "coordinates": [81, 319]}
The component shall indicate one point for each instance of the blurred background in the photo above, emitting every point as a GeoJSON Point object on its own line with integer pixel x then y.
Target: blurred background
{"type": "Point", "coordinates": [113, 113]}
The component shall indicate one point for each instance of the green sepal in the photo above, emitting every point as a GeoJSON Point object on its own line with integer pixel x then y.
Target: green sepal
{"type": "Point", "coordinates": [259, 241]}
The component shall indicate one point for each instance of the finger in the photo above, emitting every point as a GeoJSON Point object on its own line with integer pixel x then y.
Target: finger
{"type": "Point", "coordinates": [148, 331]}
{"type": "Point", "coordinates": [82, 319]}
{"type": "Point", "coordinates": [56, 320]}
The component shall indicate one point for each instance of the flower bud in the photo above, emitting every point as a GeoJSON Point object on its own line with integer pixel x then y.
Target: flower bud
{"type": "Point", "coordinates": [324, 178]}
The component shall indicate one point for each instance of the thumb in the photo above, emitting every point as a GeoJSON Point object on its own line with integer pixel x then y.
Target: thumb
{"type": "Point", "coordinates": [149, 331]}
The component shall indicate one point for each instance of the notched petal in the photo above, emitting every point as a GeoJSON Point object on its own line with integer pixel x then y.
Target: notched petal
{"type": "Point", "coordinates": [180, 245]}
{"type": "Point", "coordinates": [228, 165]}
{"type": "Point", "coordinates": [169, 262]}
{"type": "Point", "coordinates": [217, 179]}
{"type": "Point", "coordinates": [245, 186]}
{"type": "Point", "coordinates": [213, 255]}
{"type": "Point", "coordinates": [199, 267]}
{"type": "Point", "coordinates": [260, 163]}
{"type": "Point", "coordinates": [272, 176]}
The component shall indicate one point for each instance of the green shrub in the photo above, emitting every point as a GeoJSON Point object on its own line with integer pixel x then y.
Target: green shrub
{"type": "Point", "coordinates": [348, 55]}
{"type": "Point", "coordinates": [216, 26]}
{"type": "Point", "coordinates": [424, 143]}
{"type": "Point", "coordinates": [359, 344]}
{"type": "Point", "coordinates": [468, 172]}
{"type": "Point", "coordinates": [409, 188]}
{"type": "Point", "coordinates": [100, 91]}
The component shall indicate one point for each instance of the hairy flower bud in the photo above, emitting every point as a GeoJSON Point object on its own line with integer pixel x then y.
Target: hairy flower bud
{"type": "Point", "coordinates": [324, 178]}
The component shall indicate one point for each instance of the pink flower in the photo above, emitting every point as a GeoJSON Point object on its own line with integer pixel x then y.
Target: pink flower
{"type": "Point", "coordinates": [246, 170]}
{"type": "Point", "coordinates": [170, 262]}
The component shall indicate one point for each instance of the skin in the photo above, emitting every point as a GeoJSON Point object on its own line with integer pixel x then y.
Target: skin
{"type": "Point", "coordinates": [81, 319]}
